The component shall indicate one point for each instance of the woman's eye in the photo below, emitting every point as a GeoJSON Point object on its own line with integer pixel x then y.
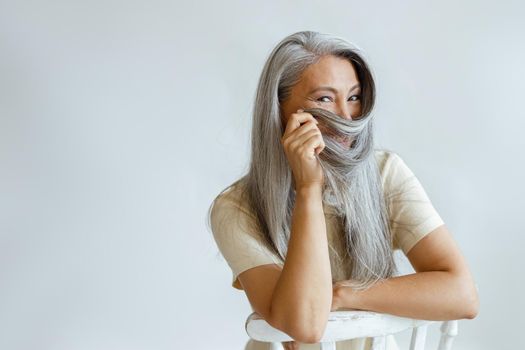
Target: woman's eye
{"type": "Point", "coordinates": [352, 98]}
{"type": "Point", "coordinates": [320, 98]}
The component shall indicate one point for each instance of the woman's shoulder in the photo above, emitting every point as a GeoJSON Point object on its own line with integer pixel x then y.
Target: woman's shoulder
{"type": "Point", "coordinates": [233, 196]}
{"type": "Point", "coordinates": [393, 170]}
{"type": "Point", "coordinates": [386, 160]}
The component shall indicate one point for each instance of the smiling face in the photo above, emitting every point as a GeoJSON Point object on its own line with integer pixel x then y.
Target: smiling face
{"type": "Point", "coordinates": [332, 84]}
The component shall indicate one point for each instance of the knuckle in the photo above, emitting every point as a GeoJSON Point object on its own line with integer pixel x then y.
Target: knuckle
{"type": "Point", "coordinates": [292, 144]}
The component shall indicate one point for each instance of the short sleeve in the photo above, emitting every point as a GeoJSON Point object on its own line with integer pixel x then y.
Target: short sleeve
{"type": "Point", "coordinates": [411, 213]}
{"type": "Point", "coordinates": [237, 238]}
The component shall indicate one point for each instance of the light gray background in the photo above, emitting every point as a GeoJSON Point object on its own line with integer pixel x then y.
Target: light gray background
{"type": "Point", "coordinates": [121, 120]}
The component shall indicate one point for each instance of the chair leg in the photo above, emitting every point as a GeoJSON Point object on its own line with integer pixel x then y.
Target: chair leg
{"type": "Point", "coordinates": [449, 329]}
{"type": "Point", "coordinates": [379, 343]}
{"type": "Point", "coordinates": [329, 345]}
{"type": "Point", "coordinates": [417, 342]}
{"type": "Point", "coordinates": [276, 346]}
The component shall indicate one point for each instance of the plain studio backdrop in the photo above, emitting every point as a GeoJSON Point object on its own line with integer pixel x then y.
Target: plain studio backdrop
{"type": "Point", "coordinates": [120, 121]}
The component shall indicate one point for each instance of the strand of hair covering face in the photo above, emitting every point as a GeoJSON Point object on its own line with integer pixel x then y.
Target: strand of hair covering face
{"type": "Point", "coordinates": [352, 178]}
{"type": "Point", "coordinates": [343, 161]}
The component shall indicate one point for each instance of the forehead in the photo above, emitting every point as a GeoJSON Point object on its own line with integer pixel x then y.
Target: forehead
{"type": "Point", "coordinates": [329, 70]}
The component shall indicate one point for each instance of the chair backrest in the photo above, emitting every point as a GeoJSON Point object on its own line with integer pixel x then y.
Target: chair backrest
{"type": "Point", "coordinates": [345, 325]}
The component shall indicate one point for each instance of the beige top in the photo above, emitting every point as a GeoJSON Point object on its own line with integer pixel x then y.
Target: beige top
{"type": "Point", "coordinates": [411, 217]}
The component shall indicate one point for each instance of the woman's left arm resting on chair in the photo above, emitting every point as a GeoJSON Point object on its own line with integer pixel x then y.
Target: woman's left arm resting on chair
{"type": "Point", "coordinates": [442, 288]}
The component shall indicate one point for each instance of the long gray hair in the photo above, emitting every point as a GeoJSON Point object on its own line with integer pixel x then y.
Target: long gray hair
{"type": "Point", "coordinates": [352, 180]}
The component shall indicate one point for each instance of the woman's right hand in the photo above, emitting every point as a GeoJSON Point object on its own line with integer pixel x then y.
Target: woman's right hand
{"type": "Point", "coordinates": [302, 140]}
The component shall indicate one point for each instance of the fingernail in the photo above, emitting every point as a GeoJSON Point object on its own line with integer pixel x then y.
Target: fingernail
{"type": "Point", "coordinates": [300, 110]}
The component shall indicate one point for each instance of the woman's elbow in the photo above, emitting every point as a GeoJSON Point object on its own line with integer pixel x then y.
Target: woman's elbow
{"type": "Point", "coordinates": [471, 302]}
{"type": "Point", "coordinates": [308, 336]}
{"type": "Point", "coordinates": [303, 330]}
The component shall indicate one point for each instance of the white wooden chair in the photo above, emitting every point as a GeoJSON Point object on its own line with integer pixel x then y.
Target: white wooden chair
{"type": "Point", "coordinates": [345, 325]}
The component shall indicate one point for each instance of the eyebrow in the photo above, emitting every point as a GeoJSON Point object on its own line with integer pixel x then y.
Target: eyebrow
{"type": "Point", "coordinates": [329, 88]}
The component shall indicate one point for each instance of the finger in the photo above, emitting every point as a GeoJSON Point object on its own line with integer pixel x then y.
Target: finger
{"type": "Point", "coordinates": [308, 145]}
{"type": "Point", "coordinates": [301, 140]}
{"type": "Point", "coordinates": [302, 130]}
{"type": "Point", "coordinates": [295, 121]}
{"type": "Point", "coordinates": [316, 143]}
{"type": "Point", "coordinates": [320, 148]}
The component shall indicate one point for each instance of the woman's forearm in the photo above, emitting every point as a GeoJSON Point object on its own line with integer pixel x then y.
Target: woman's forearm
{"type": "Point", "coordinates": [303, 295]}
{"type": "Point", "coordinates": [429, 295]}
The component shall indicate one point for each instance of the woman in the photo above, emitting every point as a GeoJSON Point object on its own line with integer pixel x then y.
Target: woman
{"type": "Point", "coordinates": [312, 227]}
